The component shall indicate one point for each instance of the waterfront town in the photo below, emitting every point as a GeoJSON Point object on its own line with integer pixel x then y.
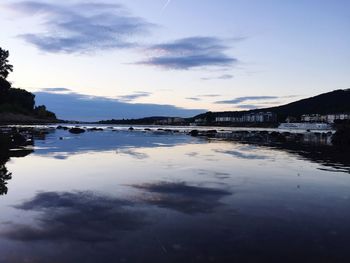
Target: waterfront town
{"type": "Point", "coordinates": [270, 117]}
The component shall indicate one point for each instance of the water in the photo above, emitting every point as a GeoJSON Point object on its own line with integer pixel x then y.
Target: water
{"type": "Point", "coordinates": [134, 196]}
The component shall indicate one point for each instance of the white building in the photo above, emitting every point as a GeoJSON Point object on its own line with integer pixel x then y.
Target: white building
{"type": "Point", "coordinates": [329, 118]}
{"type": "Point", "coordinates": [249, 117]}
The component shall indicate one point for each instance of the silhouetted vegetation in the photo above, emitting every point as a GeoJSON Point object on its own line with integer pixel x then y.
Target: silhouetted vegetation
{"type": "Point", "coordinates": [5, 67]}
{"type": "Point", "coordinates": [18, 101]}
{"type": "Point", "coordinates": [8, 141]}
{"type": "Point", "coordinates": [141, 121]}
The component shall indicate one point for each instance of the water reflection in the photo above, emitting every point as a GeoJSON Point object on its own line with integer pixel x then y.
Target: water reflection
{"type": "Point", "coordinates": [332, 158]}
{"type": "Point", "coordinates": [133, 153]}
{"type": "Point", "coordinates": [5, 154]}
{"type": "Point", "coordinates": [120, 196]}
{"type": "Point", "coordinates": [4, 177]}
{"type": "Point", "coordinates": [62, 144]}
{"type": "Point", "coordinates": [242, 155]}
{"type": "Point", "coordinates": [77, 216]}
{"type": "Point", "coordinates": [184, 198]}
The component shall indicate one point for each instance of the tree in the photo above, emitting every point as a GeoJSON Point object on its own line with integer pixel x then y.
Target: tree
{"type": "Point", "coordinates": [42, 112]}
{"type": "Point", "coordinates": [5, 67]}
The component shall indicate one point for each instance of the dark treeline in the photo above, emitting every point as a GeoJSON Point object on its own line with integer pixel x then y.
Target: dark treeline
{"type": "Point", "coordinates": [141, 121]}
{"type": "Point", "coordinates": [18, 101]}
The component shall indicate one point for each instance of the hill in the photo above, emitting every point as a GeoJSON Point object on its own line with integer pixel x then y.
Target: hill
{"type": "Point", "coordinates": [337, 101]}
{"type": "Point", "coordinates": [18, 105]}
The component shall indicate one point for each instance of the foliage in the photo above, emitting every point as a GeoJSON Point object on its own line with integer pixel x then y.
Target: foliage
{"type": "Point", "coordinates": [5, 67]}
{"type": "Point", "coordinates": [13, 100]}
{"type": "Point", "coordinates": [43, 113]}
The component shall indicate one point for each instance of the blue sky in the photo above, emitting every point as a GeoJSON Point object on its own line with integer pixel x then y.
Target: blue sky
{"type": "Point", "coordinates": [162, 58]}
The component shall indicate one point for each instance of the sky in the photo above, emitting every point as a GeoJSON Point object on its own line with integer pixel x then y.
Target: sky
{"type": "Point", "coordinates": [93, 60]}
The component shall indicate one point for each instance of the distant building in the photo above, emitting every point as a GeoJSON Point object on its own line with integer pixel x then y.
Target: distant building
{"type": "Point", "coordinates": [328, 118]}
{"type": "Point", "coordinates": [249, 117]}
{"type": "Point", "coordinates": [171, 121]}
{"type": "Point", "coordinates": [340, 116]}
{"type": "Point", "coordinates": [305, 126]}
{"type": "Point", "coordinates": [291, 119]}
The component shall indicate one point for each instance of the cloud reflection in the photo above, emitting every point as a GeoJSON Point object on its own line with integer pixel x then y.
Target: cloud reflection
{"type": "Point", "coordinates": [241, 155]}
{"type": "Point", "coordinates": [182, 197]}
{"type": "Point", "coordinates": [133, 153]}
{"type": "Point", "coordinates": [76, 216]}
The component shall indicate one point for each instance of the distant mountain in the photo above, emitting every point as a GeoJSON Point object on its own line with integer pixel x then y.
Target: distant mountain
{"type": "Point", "coordinates": [87, 108]}
{"type": "Point", "coordinates": [141, 121]}
{"type": "Point", "coordinates": [337, 101]}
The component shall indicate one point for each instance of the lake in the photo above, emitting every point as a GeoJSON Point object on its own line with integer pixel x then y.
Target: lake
{"type": "Point", "coordinates": [153, 196]}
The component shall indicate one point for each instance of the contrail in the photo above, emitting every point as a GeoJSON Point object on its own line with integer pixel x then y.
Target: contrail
{"type": "Point", "coordinates": [166, 5]}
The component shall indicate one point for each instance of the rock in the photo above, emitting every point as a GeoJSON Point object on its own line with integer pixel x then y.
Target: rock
{"type": "Point", "coordinates": [194, 133]}
{"type": "Point", "coordinates": [95, 129]}
{"type": "Point", "coordinates": [210, 133]}
{"type": "Point", "coordinates": [18, 139]}
{"type": "Point", "coordinates": [59, 127]}
{"type": "Point", "coordinates": [76, 130]}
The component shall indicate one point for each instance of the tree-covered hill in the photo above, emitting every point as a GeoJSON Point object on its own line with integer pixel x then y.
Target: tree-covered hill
{"type": "Point", "coordinates": [18, 105]}
{"type": "Point", "coordinates": [337, 101]}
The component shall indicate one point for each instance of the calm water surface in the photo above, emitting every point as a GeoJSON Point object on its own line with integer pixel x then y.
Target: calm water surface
{"type": "Point", "coordinates": [122, 196]}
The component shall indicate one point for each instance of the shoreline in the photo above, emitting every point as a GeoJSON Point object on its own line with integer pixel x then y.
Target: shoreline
{"type": "Point", "coordinates": [22, 119]}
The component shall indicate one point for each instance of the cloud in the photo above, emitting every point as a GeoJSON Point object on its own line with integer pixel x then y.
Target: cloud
{"type": "Point", "coordinates": [222, 77]}
{"type": "Point", "coordinates": [76, 216]}
{"type": "Point", "coordinates": [56, 90]}
{"type": "Point", "coordinates": [75, 106]}
{"type": "Point", "coordinates": [81, 28]}
{"type": "Point", "coordinates": [249, 106]}
{"type": "Point", "coordinates": [183, 198]}
{"type": "Point", "coordinates": [248, 98]}
{"type": "Point", "coordinates": [134, 96]}
{"type": "Point", "coordinates": [209, 95]}
{"type": "Point", "coordinates": [193, 98]}
{"type": "Point", "coordinates": [188, 53]}
{"type": "Point", "coordinates": [291, 96]}
{"type": "Point", "coordinates": [201, 97]}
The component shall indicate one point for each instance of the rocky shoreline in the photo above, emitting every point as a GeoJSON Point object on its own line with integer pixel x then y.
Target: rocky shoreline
{"type": "Point", "coordinates": [340, 138]}
{"type": "Point", "coordinates": [16, 118]}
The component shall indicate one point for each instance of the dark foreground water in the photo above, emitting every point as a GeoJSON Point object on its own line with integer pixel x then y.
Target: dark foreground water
{"type": "Point", "coordinates": [120, 196]}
